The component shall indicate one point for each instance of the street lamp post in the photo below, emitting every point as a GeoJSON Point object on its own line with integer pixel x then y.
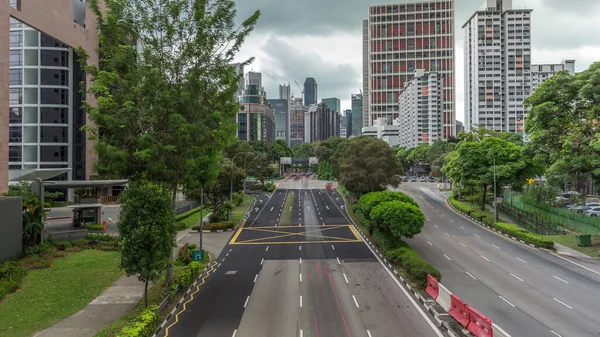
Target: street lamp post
{"type": "Point", "coordinates": [231, 183]}
{"type": "Point", "coordinates": [245, 175]}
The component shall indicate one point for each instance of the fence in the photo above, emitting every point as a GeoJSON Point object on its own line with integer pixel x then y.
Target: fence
{"type": "Point", "coordinates": [546, 219]}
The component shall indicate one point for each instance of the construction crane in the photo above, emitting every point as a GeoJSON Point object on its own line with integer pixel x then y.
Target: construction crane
{"type": "Point", "coordinates": [301, 90]}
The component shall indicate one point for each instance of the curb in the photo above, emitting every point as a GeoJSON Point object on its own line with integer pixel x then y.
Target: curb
{"type": "Point", "coordinates": [219, 230]}
{"type": "Point", "coordinates": [441, 324]}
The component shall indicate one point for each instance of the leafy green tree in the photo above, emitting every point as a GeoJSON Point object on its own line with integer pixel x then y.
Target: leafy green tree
{"type": "Point", "coordinates": [436, 157]}
{"type": "Point", "coordinates": [367, 165]}
{"type": "Point", "coordinates": [304, 150]}
{"type": "Point", "coordinates": [403, 155]}
{"type": "Point", "coordinates": [261, 167]}
{"type": "Point", "coordinates": [279, 149]}
{"type": "Point", "coordinates": [401, 219]}
{"type": "Point", "coordinates": [164, 88]}
{"type": "Point", "coordinates": [33, 213]}
{"type": "Point", "coordinates": [235, 148]}
{"type": "Point", "coordinates": [367, 202]}
{"type": "Point", "coordinates": [146, 231]}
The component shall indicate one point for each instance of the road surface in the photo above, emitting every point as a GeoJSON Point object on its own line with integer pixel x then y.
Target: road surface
{"type": "Point", "coordinates": [526, 291]}
{"type": "Point", "coordinates": [298, 268]}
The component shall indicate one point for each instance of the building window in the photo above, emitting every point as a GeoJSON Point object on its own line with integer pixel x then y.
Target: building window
{"type": "Point", "coordinates": [16, 77]}
{"type": "Point", "coordinates": [16, 4]}
{"type": "Point", "coordinates": [15, 154]}
{"type": "Point", "coordinates": [16, 58]}
{"type": "Point", "coordinates": [16, 39]}
{"type": "Point", "coordinates": [16, 115]}
{"type": "Point", "coordinates": [15, 134]}
{"type": "Point", "coordinates": [16, 96]}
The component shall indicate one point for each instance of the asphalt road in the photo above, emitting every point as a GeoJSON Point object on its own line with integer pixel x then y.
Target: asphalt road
{"type": "Point", "coordinates": [526, 291]}
{"type": "Point", "coordinates": [298, 268]}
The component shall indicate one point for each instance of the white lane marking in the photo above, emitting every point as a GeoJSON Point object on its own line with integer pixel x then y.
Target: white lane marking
{"type": "Point", "coordinates": [477, 236]}
{"type": "Point", "coordinates": [515, 276]}
{"type": "Point", "coordinates": [436, 226]}
{"type": "Point", "coordinates": [470, 275]}
{"type": "Point", "coordinates": [369, 333]}
{"type": "Point", "coordinates": [290, 208]}
{"type": "Point", "coordinates": [218, 265]}
{"type": "Point", "coordinates": [226, 255]}
{"type": "Point", "coordinates": [262, 261]}
{"type": "Point", "coordinates": [355, 301]}
{"type": "Point", "coordinates": [563, 303]}
{"type": "Point", "coordinates": [558, 278]}
{"type": "Point", "coordinates": [338, 260]}
{"type": "Point", "coordinates": [495, 246]}
{"type": "Point", "coordinates": [446, 256]}
{"type": "Point", "coordinates": [333, 247]}
{"type": "Point", "coordinates": [300, 260]}
{"type": "Point", "coordinates": [520, 259]}
{"type": "Point", "coordinates": [462, 244]}
{"type": "Point", "coordinates": [223, 260]}
{"type": "Point", "coordinates": [451, 221]}
{"type": "Point", "coordinates": [447, 234]}
{"type": "Point", "coordinates": [267, 249]}
{"type": "Point", "coordinates": [345, 278]}
{"type": "Point", "coordinates": [300, 277]}
{"type": "Point", "coordinates": [230, 250]}
{"type": "Point", "coordinates": [326, 206]}
{"type": "Point", "coordinates": [272, 209]}
{"type": "Point", "coordinates": [577, 264]}
{"type": "Point", "coordinates": [300, 301]}
{"type": "Point", "coordinates": [308, 208]}
{"type": "Point", "coordinates": [504, 299]}
{"type": "Point", "coordinates": [431, 244]}
{"type": "Point", "coordinates": [462, 227]}
{"type": "Point", "coordinates": [255, 277]}
{"type": "Point", "coordinates": [246, 303]}
{"type": "Point", "coordinates": [299, 247]}
{"type": "Point", "coordinates": [234, 332]}
{"type": "Point", "coordinates": [485, 258]}
{"type": "Point", "coordinates": [554, 332]}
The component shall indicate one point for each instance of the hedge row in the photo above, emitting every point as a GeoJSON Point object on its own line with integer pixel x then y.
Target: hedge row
{"type": "Point", "coordinates": [94, 227]}
{"type": "Point", "coordinates": [510, 229]}
{"type": "Point", "coordinates": [188, 274]}
{"type": "Point", "coordinates": [187, 214]}
{"type": "Point", "coordinates": [216, 226]}
{"type": "Point", "coordinates": [143, 325]}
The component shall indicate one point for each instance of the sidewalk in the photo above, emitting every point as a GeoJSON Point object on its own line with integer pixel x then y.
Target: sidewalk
{"type": "Point", "coordinates": [122, 296]}
{"type": "Point", "coordinates": [564, 250]}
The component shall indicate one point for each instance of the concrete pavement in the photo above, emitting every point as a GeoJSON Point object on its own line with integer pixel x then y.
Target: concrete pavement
{"type": "Point", "coordinates": [298, 268]}
{"type": "Point", "coordinates": [526, 291]}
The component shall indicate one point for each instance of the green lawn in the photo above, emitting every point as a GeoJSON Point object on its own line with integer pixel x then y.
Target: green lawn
{"type": "Point", "coordinates": [571, 242]}
{"type": "Point", "coordinates": [52, 294]}
{"type": "Point", "coordinates": [238, 212]}
{"type": "Point", "coordinates": [194, 218]}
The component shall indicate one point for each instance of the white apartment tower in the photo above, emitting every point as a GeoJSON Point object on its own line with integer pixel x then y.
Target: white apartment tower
{"type": "Point", "coordinates": [497, 67]}
{"type": "Point", "coordinates": [421, 110]}
{"type": "Point", "coordinates": [541, 72]}
{"type": "Point", "coordinates": [399, 39]}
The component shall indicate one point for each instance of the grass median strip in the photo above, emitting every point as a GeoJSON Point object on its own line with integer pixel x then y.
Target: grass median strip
{"type": "Point", "coordinates": [52, 294]}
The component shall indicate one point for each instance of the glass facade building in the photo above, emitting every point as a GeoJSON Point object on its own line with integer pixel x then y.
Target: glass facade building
{"type": "Point", "coordinates": [310, 91]}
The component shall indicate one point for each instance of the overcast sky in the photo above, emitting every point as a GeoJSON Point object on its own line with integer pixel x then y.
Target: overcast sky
{"type": "Point", "coordinates": [295, 39]}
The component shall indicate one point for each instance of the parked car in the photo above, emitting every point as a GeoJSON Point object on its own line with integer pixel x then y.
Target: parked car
{"type": "Point", "coordinates": [413, 179]}
{"type": "Point", "coordinates": [431, 179]}
{"type": "Point", "coordinates": [593, 212]}
{"type": "Point", "coordinates": [590, 205]}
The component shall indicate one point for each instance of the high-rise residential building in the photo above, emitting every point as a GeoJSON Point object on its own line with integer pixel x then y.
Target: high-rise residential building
{"type": "Point", "coordinates": [404, 37]}
{"type": "Point", "coordinates": [348, 123]}
{"type": "Point", "coordinates": [280, 107]}
{"type": "Point", "coordinates": [498, 67]}
{"type": "Point", "coordinates": [333, 103]}
{"type": "Point", "coordinates": [343, 126]}
{"type": "Point", "coordinates": [541, 72]}
{"type": "Point", "coordinates": [381, 130]}
{"type": "Point", "coordinates": [365, 90]}
{"type": "Point", "coordinates": [41, 113]}
{"type": "Point", "coordinates": [310, 91]}
{"type": "Point", "coordinates": [320, 123]}
{"type": "Point", "coordinates": [297, 111]}
{"type": "Point", "coordinates": [256, 118]}
{"type": "Point", "coordinates": [239, 70]}
{"type": "Point", "coordinates": [421, 109]}
{"type": "Point", "coordinates": [357, 114]}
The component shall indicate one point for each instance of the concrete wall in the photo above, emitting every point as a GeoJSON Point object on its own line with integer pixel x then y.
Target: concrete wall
{"type": "Point", "coordinates": [68, 235]}
{"type": "Point", "coordinates": [11, 224]}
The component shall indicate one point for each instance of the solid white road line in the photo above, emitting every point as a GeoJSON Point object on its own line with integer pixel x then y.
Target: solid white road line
{"type": "Point", "coordinates": [333, 247]}
{"type": "Point", "coordinates": [504, 299]}
{"type": "Point", "coordinates": [520, 259]}
{"type": "Point", "coordinates": [338, 260]}
{"type": "Point", "coordinates": [301, 333]}
{"type": "Point", "coordinates": [431, 244]}
{"type": "Point", "coordinates": [262, 261]}
{"type": "Point", "coordinates": [515, 276]}
{"type": "Point", "coordinates": [255, 277]}
{"type": "Point", "coordinates": [577, 264]}
{"type": "Point", "coordinates": [462, 244]}
{"type": "Point", "coordinates": [563, 303]}
{"type": "Point", "coordinates": [485, 258]}
{"type": "Point", "coordinates": [300, 260]}
{"type": "Point", "coordinates": [369, 333]}
{"type": "Point", "coordinates": [495, 246]}
{"type": "Point", "coordinates": [558, 278]}
{"type": "Point", "coordinates": [234, 332]}
{"type": "Point", "coordinates": [470, 275]}
{"type": "Point", "coordinates": [300, 301]}
{"type": "Point", "coordinates": [345, 278]}
{"type": "Point", "coordinates": [554, 332]}
{"type": "Point", "coordinates": [300, 277]}
{"type": "Point", "coordinates": [477, 236]}
{"type": "Point", "coordinates": [446, 256]}
{"type": "Point", "coordinates": [247, 299]}
{"type": "Point", "coordinates": [355, 301]}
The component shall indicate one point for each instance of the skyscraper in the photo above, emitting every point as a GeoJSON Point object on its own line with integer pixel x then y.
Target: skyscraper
{"type": "Point", "coordinates": [297, 111]}
{"type": "Point", "coordinates": [404, 37]}
{"type": "Point", "coordinates": [348, 123]}
{"type": "Point", "coordinates": [498, 71]}
{"type": "Point", "coordinates": [256, 118]}
{"type": "Point", "coordinates": [280, 108]}
{"type": "Point", "coordinates": [310, 91]}
{"type": "Point", "coordinates": [357, 114]}
{"type": "Point", "coordinates": [365, 91]}
{"type": "Point", "coordinates": [41, 112]}
{"type": "Point", "coordinates": [333, 103]}
{"type": "Point", "coordinates": [285, 92]}
{"type": "Point", "coordinates": [320, 123]}
{"type": "Point", "coordinates": [239, 70]}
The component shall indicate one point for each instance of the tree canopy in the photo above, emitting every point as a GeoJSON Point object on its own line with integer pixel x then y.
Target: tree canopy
{"type": "Point", "coordinates": [401, 219]}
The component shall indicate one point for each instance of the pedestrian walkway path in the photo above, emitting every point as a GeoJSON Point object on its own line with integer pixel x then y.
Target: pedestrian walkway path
{"type": "Point", "coordinates": [564, 250]}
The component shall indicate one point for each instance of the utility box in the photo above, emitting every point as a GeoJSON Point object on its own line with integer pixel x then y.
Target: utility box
{"type": "Point", "coordinates": [584, 240]}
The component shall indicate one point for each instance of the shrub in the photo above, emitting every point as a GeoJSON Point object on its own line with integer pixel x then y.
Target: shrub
{"type": "Point", "coordinates": [143, 325]}
{"type": "Point", "coordinates": [72, 249]}
{"type": "Point", "coordinates": [269, 187]}
{"type": "Point", "coordinates": [196, 227]}
{"type": "Point", "coordinates": [520, 233]}
{"type": "Point", "coordinates": [29, 261]}
{"type": "Point", "coordinates": [185, 253]}
{"type": "Point", "coordinates": [81, 243]}
{"type": "Point", "coordinates": [461, 206]}
{"type": "Point", "coordinates": [238, 199]}
{"type": "Point", "coordinates": [62, 245]}
{"type": "Point", "coordinates": [187, 214]}
{"type": "Point", "coordinates": [94, 227]}
{"type": "Point", "coordinates": [11, 276]}
{"type": "Point", "coordinates": [219, 226]}
{"type": "Point", "coordinates": [218, 216]}
{"type": "Point", "coordinates": [38, 249]}
{"type": "Point", "coordinates": [185, 278]}
{"type": "Point", "coordinates": [41, 264]}
{"type": "Point", "coordinates": [100, 237]}
{"type": "Point", "coordinates": [194, 267]}
{"type": "Point", "coordinates": [180, 225]}
{"type": "Point", "coordinates": [59, 254]}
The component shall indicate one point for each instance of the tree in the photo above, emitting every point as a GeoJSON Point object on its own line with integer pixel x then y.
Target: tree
{"type": "Point", "coordinates": [164, 88]}
{"type": "Point", "coordinates": [235, 148]}
{"type": "Point", "coordinates": [401, 219]}
{"type": "Point", "coordinates": [33, 213]}
{"type": "Point", "coordinates": [218, 192]}
{"type": "Point", "coordinates": [304, 150]}
{"type": "Point", "coordinates": [436, 157]}
{"type": "Point", "coordinates": [367, 165]}
{"type": "Point", "coordinates": [368, 202]}
{"type": "Point", "coordinates": [146, 231]}
{"type": "Point", "coordinates": [279, 149]}
{"type": "Point", "coordinates": [261, 167]}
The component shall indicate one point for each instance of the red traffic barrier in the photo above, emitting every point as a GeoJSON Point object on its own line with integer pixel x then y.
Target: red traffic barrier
{"type": "Point", "coordinates": [459, 310]}
{"type": "Point", "coordinates": [433, 288]}
{"type": "Point", "coordinates": [479, 325]}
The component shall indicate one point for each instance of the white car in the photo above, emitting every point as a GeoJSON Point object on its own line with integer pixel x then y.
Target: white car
{"type": "Point", "coordinates": [593, 212]}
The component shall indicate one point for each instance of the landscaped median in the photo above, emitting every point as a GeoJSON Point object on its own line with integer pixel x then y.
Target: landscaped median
{"type": "Point", "coordinates": [371, 212]}
{"type": "Point", "coordinates": [505, 228]}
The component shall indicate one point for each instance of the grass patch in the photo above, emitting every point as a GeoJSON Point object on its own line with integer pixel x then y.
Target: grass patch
{"type": "Point", "coordinates": [52, 294]}
{"type": "Point", "coordinates": [238, 212]}
{"type": "Point", "coordinates": [191, 217]}
{"type": "Point", "coordinates": [156, 294]}
{"type": "Point", "coordinates": [571, 242]}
